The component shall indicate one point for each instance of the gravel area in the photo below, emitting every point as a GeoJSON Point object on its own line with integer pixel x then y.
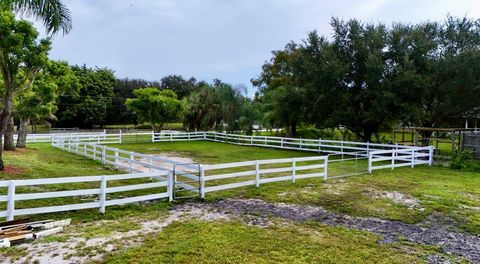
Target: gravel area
{"type": "Point", "coordinates": [460, 244]}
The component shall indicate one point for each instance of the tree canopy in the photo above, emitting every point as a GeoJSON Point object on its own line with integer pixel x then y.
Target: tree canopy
{"type": "Point", "coordinates": [156, 107]}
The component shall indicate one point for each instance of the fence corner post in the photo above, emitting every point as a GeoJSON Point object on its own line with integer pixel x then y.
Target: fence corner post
{"type": "Point", "coordinates": [103, 194]}
{"type": "Point", "coordinates": [202, 182]}
{"type": "Point", "coordinates": [257, 173]}
{"type": "Point", "coordinates": [294, 169]}
{"type": "Point", "coordinates": [11, 201]}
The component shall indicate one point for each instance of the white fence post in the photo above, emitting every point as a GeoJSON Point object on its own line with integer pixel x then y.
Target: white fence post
{"type": "Point", "coordinates": [370, 156]}
{"type": "Point", "coordinates": [319, 145]}
{"type": "Point", "coordinates": [325, 165]}
{"type": "Point", "coordinates": [393, 159]}
{"type": "Point", "coordinates": [104, 153]}
{"type": "Point", "coordinates": [294, 169]}
{"type": "Point", "coordinates": [170, 186]}
{"type": "Point", "coordinates": [131, 162]}
{"type": "Point", "coordinates": [413, 158]}
{"type": "Point", "coordinates": [120, 139]}
{"type": "Point", "coordinates": [281, 142]}
{"type": "Point", "coordinates": [116, 158]}
{"type": "Point", "coordinates": [202, 182]}
{"type": "Point", "coordinates": [153, 136]}
{"type": "Point", "coordinates": [257, 173]}
{"type": "Point", "coordinates": [103, 194]}
{"type": "Point", "coordinates": [11, 201]}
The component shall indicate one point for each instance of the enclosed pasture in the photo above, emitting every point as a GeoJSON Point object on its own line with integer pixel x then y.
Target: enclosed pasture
{"type": "Point", "coordinates": [431, 197]}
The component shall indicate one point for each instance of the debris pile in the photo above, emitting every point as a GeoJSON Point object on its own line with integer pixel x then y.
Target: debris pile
{"type": "Point", "coordinates": [21, 230]}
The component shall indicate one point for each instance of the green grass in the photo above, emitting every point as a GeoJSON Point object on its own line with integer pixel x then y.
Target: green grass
{"type": "Point", "coordinates": [448, 194]}
{"type": "Point", "coordinates": [448, 197]}
{"type": "Point", "coordinates": [232, 242]}
{"type": "Point", "coordinates": [212, 152]}
{"type": "Point", "coordinates": [43, 161]}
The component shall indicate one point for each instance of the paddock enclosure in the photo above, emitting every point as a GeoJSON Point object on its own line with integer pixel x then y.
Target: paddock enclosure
{"type": "Point", "coordinates": [150, 177]}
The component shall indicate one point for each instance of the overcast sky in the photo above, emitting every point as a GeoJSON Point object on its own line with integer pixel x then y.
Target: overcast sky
{"type": "Point", "coordinates": [225, 39]}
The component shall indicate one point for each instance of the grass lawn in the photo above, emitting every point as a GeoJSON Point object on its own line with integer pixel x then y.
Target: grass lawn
{"type": "Point", "coordinates": [441, 197]}
{"type": "Point", "coordinates": [232, 242]}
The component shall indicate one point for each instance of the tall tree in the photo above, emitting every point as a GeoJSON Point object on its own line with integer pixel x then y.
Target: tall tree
{"type": "Point", "coordinates": [22, 57]}
{"type": "Point", "coordinates": [89, 107]}
{"type": "Point", "coordinates": [179, 85]}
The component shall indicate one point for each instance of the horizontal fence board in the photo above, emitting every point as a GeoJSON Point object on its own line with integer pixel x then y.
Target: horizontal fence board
{"type": "Point", "coordinates": [136, 199]}
{"type": "Point", "coordinates": [228, 186]}
{"type": "Point", "coordinates": [53, 209]}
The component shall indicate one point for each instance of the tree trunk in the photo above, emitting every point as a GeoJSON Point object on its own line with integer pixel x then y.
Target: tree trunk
{"type": "Point", "coordinates": [4, 119]}
{"type": "Point", "coordinates": [22, 132]}
{"type": "Point", "coordinates": [8, 136]}
{"type": "Point", "coordinates": [292, 129]}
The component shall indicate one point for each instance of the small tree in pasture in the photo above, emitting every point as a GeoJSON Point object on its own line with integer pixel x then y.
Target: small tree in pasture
{"type": "Point", "coordinates": [156, 107]}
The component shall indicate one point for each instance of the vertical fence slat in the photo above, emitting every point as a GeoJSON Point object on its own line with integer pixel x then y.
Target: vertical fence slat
{"type": "Point", "coordinates": [11, 201]}
{"type": "Point", "coordinates": [103, 194]}
{"type": "Point", "coordinates": [257, 173]}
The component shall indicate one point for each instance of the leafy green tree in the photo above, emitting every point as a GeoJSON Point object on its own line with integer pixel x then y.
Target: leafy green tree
{"type": "Point", "coordinates": [87, 108]}
{"type": "Point", "coordinates": [22, 57]}
{"type": "Point", "coordinates": [39, 103]}
{"type": "Point", "coordinates": [118, 113]}
{"type": "Point", "coordinates": [179, 85]}
{"type": "Point", "coordinates": [156, 106]}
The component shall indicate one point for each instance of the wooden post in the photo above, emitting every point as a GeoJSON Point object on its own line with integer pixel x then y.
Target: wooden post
{"type": "Point", "coordinates": [103, 194]}
{"type": "Point", "coordinates": [11, 201]}
{"type": "Point", "coordinates": [104, 153]}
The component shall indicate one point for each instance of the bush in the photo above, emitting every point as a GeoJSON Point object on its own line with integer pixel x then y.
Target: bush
{"type": "Point", "coordinates": [465, 160]}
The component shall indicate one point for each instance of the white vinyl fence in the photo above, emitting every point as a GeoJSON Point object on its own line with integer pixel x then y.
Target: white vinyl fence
{"type": "Point", "coordinates": [162, 173]}
{"type": "Point", "coordinates": [254, 172]}
{"type": "Point", "coordinates": [47, 138]}
{"type": "Point", "coordinates": [390, 159]}
{"type": "Point", "coordinates": [99, 192]}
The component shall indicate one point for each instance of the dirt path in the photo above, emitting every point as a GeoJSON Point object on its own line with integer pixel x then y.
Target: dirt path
{"type": "Point", "coordinates": [461, 244]}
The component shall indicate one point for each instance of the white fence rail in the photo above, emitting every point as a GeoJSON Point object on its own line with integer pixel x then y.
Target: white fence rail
{"type": "Point", "coordinates": [47, 138]}
{"type": "Point", "coordinates": [315, 145]}
{"type": "Point", "coordinates": [390, 159]}
{"type": "Point", "coordinates": [101, 192]}
{"type": "Point", "coordinates": [254, 172]}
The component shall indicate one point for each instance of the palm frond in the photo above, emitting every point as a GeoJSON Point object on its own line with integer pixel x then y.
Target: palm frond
{"type": "Point", "coordinates": [53, 13]}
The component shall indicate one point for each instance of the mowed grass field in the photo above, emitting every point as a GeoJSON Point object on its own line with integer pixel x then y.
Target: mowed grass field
{"type": "Point", "coordinates": [443, 197]}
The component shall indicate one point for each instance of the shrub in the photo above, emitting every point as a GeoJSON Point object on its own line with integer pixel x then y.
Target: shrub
{"type": "Point", "coordinates": [465, 160]}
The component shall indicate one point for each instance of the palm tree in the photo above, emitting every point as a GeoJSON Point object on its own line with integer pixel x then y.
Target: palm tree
{"type": "Point", "coordinates": [53, 13]}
